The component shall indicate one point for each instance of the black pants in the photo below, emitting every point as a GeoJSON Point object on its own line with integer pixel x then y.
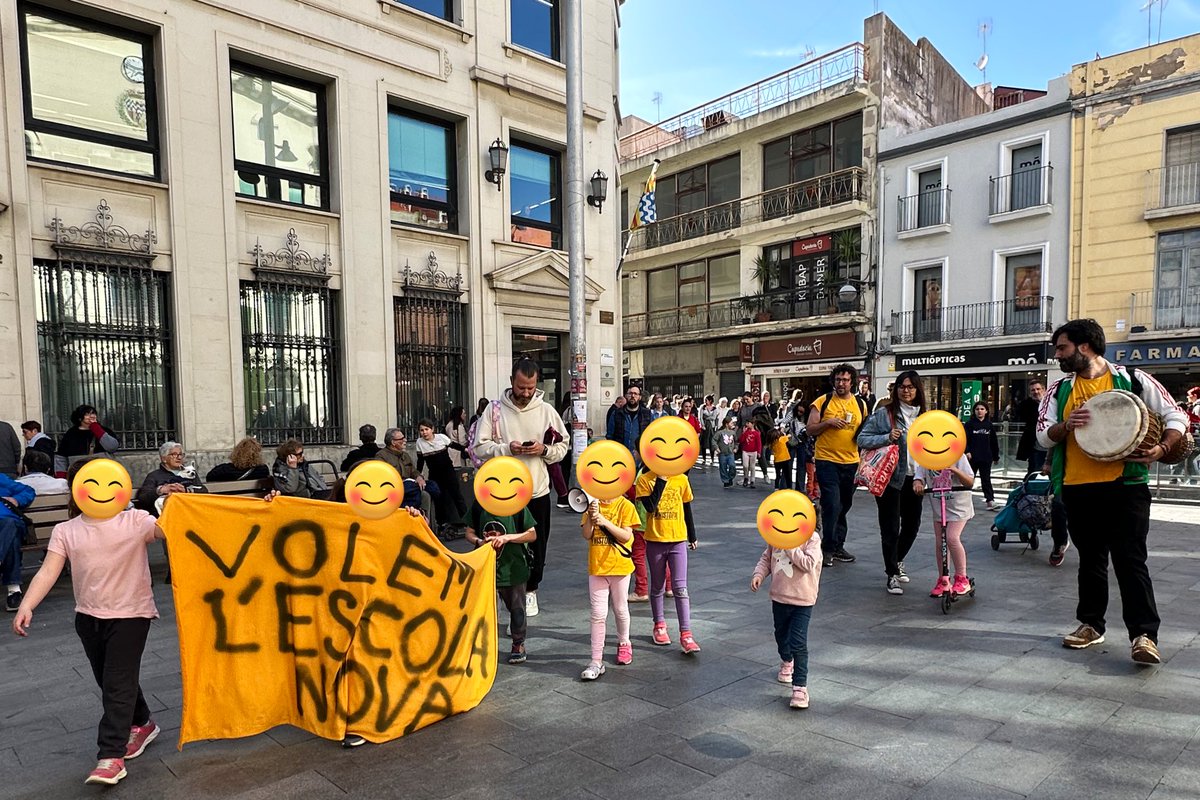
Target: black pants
{"type": "Point", "coordinates": [539, 507]}
{"type": "Point", "coordinates": [984, 471]}
{"type": "Point", "coordinates": [114, 649]}
{"type": "Point", "coordinates": [450, 498]}
{"type": "Point", "coordinates": [1058, 522]}
{"type": "Point", "coordinates": [1113, 519]}
{"type": "Point", "coordinates": [899, 520]}
{"type": "Point", "coordinates": [837, 495]}
{"type": "Point", "coordinates": [513, 598]}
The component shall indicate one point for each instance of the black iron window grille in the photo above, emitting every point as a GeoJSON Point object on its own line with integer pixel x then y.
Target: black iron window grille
{"type": "Point", "coordinates": [291, 352]}
{"type": "Point", "coordinates": [104, 332]}
{"type": "Point", "coordinates": [431, 346]}
{"type": "Point", "coordinates": [108, 121]}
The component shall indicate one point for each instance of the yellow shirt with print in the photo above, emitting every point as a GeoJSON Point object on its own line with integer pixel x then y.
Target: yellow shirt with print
{"type": "Point", "coordinates": [1082, 468]}
{"type": "Point", "coordinates": [668, 524]}
{"type": "Point", "coordinates": [603, 556]}
{"type": "Point", "coordinates": [839, 446]}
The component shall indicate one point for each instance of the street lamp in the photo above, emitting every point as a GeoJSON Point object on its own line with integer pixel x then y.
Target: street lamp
{"type": "Point", "coordinates": [498, 154]}
{"type": "Point", "coordinates": [599, 191]}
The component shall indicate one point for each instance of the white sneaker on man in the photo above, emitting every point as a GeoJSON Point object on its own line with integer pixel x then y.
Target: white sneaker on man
{"type": "Point", "coordinates": [531, 605]}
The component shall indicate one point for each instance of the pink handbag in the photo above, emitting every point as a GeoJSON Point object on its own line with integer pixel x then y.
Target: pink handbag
{"type": "Point", "coordinates": [875, 468]}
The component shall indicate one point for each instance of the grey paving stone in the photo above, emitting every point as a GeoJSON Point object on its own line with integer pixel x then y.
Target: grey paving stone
{"type": "Point", "coordinates": [656, 776]}
{"type": "Point", "coordinates": [750, 781]}
{"type": "Point", "coordinates": [1007, 767]}
{"type": "Point", "coordinates": [1100, 775]}
{"type": "Point", "coordinates": [951, 785]}
{"type": "Point", "coordinates": [305, 784]}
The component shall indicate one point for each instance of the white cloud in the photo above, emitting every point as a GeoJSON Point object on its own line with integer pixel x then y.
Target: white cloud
{"type": "Point", "coordinates": [795, 51]}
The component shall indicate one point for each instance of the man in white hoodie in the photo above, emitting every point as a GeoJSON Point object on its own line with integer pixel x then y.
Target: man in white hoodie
{"type": "Point", "coordinates": [524, 420]}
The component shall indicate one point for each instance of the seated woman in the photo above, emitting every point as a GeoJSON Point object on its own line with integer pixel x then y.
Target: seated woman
{"type": "Point", "coordinates": [87, 437]}
{"type": "Point", "coordinates": [170, 477]}
{"type": "Point", "coordinates": [293, 475]}
{"type": "Point", "coordinates": [245, 464]}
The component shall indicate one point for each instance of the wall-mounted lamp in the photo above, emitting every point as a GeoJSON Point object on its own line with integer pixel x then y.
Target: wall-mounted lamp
{"type": "Point", "coordinates": [847, 295]}
{"type": "Point", "coordinates": [599, 191]}
{"type": "Point", "coordinates": [498, 154]}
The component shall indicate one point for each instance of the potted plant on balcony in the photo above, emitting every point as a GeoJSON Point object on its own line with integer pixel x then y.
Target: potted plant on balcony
{"type": "Point", "coordinates": [758, 304]}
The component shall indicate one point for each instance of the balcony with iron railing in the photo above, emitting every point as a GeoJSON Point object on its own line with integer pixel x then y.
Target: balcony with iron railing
{"type": "Point", "coordinates": [1020, 190]}
{"type": "Point", "coordinates": [845, 64]}
{"type": "Point", "coordinates": [1164, 309]}
{"type": "Point", "coordinates": [1021, 315]}
{"type": "Point", "coordinates": [775, 306]}
{"type": "Point", "coordinates": [1173, 190]}
{"type": "Point", "coordinates": [926, 211]}
{"type": "Point", "coordinates": [821, 192]}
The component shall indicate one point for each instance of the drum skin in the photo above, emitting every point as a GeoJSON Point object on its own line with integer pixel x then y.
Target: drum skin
{"type": "Point", "coordinates": [1120, 425]}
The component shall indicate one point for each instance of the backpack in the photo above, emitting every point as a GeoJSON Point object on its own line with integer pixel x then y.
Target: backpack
{"type": "Point", "coordinates": [472, 438]}
{"type": "Point", "coordinates": [862, 410]}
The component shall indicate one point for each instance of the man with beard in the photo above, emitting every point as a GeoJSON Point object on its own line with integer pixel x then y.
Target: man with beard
{"type": "Point", "coordinates": [1107, 502]}
{"type": "Point", "coordinates": [834, 420]}
{"type": "Point", "coordinates": [525, 419]}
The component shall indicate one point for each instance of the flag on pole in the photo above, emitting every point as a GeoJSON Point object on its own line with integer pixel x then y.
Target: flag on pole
{"type": "Point", "coordinates": [646, 212]}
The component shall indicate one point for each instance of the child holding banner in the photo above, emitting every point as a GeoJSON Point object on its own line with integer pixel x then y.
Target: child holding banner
{"type": "Point", "coordinates": [608, 528]}
{"type": "Point", "coordinates": [114, 603]}
{"type": "Point", "coordinates": [512, 563]}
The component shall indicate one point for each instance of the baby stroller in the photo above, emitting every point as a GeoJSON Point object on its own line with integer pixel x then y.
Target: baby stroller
{"type": "Point", "coordinates": [1026, 513]}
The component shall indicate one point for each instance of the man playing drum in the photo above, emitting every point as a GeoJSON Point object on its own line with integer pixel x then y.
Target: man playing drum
{"type": "Point", "coordinates": [1107, 502]}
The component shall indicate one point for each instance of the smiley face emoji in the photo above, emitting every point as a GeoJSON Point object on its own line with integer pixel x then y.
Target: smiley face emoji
{"type": "Point", "coordinates": [374, 489]}
{"type": "Point", "coordinates": [786, 519]}
{"type": "Point", "coordinates": [503, 486]}
{"type": "Point", "coordinates": [101, 488]}
{"type": "Point", "coordinates": [605, 470]}
{"type": "Point", "coordinates": [669, 446]}
{"type": "Point", "coordinates": [936, 440]}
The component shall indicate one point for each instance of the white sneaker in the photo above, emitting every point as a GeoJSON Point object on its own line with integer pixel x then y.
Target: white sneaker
{"type": "Point", "coordinates": [592, 671]}
{"type": "Point", "coordinates": [901, 575]}
{"type": "Point", "coordinates": [531, 606]}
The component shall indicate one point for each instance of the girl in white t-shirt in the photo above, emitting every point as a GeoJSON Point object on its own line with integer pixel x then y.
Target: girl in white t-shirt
{"type": "Point", "coordinates": [959, 509]}
{"type": "Point", "coordinates": [114, 604]}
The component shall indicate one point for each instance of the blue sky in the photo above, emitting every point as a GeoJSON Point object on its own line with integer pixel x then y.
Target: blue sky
{"type": "Point", "coordinates": [693, 51]}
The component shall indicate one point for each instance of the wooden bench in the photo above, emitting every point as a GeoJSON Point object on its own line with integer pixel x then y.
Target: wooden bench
{"type": "Point", "coordinates": [253, 488]}
{"type": "Point", "coordinates": [46, 511]}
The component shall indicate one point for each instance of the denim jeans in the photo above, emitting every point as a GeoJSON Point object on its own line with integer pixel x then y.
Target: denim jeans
{"type": "Point", "coordinates": [791, 636]}
{"type": "Point", "coordinates": [837, 495]}
{"type": "Point", "coordinates": [11, 534]}
{"type": "Point", "coordinates": [728, 468]}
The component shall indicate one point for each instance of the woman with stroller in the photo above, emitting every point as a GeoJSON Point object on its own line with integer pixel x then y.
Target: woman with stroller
{"type": "Point", "coordinates": [899, 506]}
{"type": "Point", "coordinates": [983, 449]}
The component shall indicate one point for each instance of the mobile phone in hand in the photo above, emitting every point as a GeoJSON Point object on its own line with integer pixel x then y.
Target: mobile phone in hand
{"type": "Point", "coordinates": [526, 444]}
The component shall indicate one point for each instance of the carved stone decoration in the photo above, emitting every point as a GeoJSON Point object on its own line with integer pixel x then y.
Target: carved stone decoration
{"type": "Point", "coordinates": [447, 67]}
{"type": "Point", "coordinates": [290, 259]}
{"type": "Point", "coordinates": [101, 233]}
{"type": "Point", "coordinates": [431, 277]}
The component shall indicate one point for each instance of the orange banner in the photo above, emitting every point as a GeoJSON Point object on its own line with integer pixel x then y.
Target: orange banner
{"type": "Point", "coordinates": [301, 612]}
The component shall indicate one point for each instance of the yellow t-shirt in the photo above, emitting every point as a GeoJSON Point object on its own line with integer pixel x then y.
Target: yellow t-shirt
{"type": "Point", "coordinates": [668, 524]}
{"type": "Point", "coordinates": [603, 556]}
{"type": "Point", "coordinates": [835, 445]}
{"type": "Point", "coordinates": [779, 450]}
{"type": "Point", "coordinates": [1082, 468]}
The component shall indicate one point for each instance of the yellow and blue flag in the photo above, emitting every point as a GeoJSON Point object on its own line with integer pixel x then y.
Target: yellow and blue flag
{"type": "Point", "coordinates": [646, 212]}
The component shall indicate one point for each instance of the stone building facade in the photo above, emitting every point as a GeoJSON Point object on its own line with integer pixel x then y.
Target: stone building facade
{"type": "Point", "coordinates": [282, 218]}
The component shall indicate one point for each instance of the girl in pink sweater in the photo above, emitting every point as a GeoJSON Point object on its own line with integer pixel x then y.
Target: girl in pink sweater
{"type": "Point", "coordinates": [795, 576]}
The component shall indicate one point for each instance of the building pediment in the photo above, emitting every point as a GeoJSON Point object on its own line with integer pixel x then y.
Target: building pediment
{"type": "Point", "coordinates": [545, 273]}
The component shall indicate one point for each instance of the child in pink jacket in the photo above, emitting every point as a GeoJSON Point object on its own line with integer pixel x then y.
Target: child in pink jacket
{"type": "Point", "coordinates": [795, 576]}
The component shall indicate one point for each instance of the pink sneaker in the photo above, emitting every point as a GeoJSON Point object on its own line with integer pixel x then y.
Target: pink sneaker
{"type": "Point", "coordinates": [941, 587]}
{"type": "Point", "coordinates": [108, 771]}
{"type": "Point", "coordinates": [785, 672]}
{"type": "Point", "coordinates": [660, 635]}
{"type": "Point", "coordinates": [625, 653]}
{"type": "Point", "coordinates": [688, 643]}
{"type": "Point", "coordinates": [799, 697]}
{"type": "Point", "coordinates": [962, 585]}
{"type": "Point", "coordinates": [139, 737]}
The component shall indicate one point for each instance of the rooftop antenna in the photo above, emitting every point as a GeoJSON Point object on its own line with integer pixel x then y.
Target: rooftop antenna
{"type": "Point", "coordinates": [1149, 9]}
{"type": "Point", "coordinates": [984, 29]}
{"type": "Point", "coordinates": [657, 100]}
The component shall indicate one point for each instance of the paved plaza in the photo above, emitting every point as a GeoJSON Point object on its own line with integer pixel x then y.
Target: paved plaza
{"type": "Point", "coordinates": [906, 702]}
